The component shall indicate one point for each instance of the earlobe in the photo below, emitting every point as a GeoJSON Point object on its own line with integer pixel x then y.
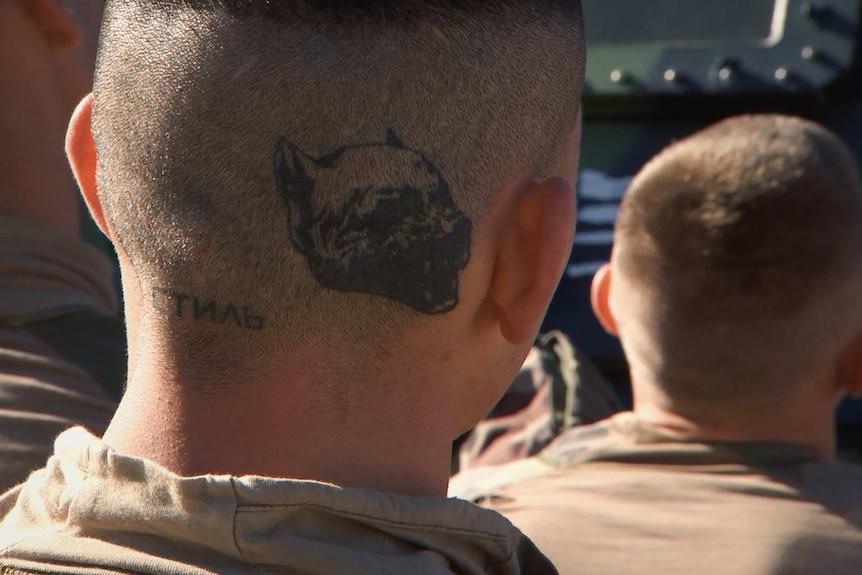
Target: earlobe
{"type": "Point", "coordinates": [532, 252]}
{"type": "Point", "coordinates": [81, 150]}
{"type": "Point", "coordinates": [600, 297]}
{"type": "Point", "coordinates": [55, 22]}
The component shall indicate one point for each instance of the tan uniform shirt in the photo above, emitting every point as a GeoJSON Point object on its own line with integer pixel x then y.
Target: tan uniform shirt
{"type": "Point", "coordinates": [62, 346]}
{"type": "Point", "coordinates": [92, 507]}
{"type": "Point", "coordinates": [623, 497]}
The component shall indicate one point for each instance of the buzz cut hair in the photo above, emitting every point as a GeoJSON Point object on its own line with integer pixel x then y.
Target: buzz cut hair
{"type": "Point", "coordinates": [737, 233]}
{"type": "Point", "coordinates": [278, 170]}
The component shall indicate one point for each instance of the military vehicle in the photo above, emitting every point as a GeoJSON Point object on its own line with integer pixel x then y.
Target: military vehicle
{"type": "Point", "coordinates": [661, 69]}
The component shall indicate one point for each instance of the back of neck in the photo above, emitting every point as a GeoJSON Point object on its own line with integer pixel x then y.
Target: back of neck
{"type": "Point", "coordinates": [284, 427]}
{"type": "Point", "coordinates": [810, 423]}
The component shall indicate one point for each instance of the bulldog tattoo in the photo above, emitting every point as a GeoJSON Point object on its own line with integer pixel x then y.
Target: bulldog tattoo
{"type": "Point", "coordinates": [401, 237]}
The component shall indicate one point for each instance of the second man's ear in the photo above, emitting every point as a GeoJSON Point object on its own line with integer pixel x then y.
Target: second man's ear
{"type": "Point", "coordinates": [531, 256]}
{"type": "Point", "coordinates": [600, 297]}
{"type": "Point", "coordinates": [55, 22]}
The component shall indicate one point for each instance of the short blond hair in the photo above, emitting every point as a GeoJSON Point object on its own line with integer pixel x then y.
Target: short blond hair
{"type": "Point", "coordinates": [738, 229]}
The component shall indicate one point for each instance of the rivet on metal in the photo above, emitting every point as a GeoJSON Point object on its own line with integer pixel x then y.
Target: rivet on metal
{"type": "Point", "coordinates": [670, 75]}
{"type": "Point", "coordinates": [617, 76]}
{"type": "Point", "coordinates": [781, 74]}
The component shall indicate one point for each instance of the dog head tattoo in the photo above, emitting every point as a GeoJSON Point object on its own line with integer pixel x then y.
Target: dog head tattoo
{"type": "Point", "coordinates": [400, 236]}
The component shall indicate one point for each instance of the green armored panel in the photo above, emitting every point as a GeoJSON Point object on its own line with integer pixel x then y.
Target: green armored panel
{"type": "Point", "coordinates": [718, 46]}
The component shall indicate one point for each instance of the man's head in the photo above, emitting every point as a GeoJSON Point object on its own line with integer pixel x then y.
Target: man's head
{"type": "Point", "coordinates": [738, 264]}
{"type": "Point", "coordinates": [280, 176]}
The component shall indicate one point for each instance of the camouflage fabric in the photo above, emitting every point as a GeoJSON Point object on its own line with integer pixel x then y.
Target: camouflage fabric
{"type": "Point", "coordinates": [557, 388]}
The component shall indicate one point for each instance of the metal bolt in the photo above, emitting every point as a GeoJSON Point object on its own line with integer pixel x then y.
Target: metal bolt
{"type": "Point", "coordinates": [781, 74]}
{"type": "Point", "coordinates": [726, 72]}
{"type": "Point", "coordinates": [617, 76]}
{"type": "Point", "coordinates": [808, 53]}
{"type": "Point", "coordinates": [670, 75]}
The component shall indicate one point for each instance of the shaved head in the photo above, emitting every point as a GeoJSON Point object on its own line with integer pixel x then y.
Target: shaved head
{"type": "Point", "coordinates": [743, 243]}
{"type": "Point", "coordinates": [318, 167]}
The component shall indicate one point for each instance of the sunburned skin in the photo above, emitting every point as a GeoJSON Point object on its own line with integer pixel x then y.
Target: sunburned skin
{"type": "Point", "coordinates": [400, 237]}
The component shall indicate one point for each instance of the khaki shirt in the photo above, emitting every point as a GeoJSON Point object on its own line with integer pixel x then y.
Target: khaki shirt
{"type": "Point", "coordinates": [62, 344]}
{"type": "Point", "coordinates": [93, 510]}
{"type": "Point", "coordinates": [623, 497]}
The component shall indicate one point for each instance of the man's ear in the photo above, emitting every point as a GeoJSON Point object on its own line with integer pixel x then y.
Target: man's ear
{"type": "Point", "coordinates": [532, 253]}
{"type": "Point", "coordinates": [850, 369]}
{"type": "Point", "coordinates": [55, 22]}
{"type": "Point", "coordinates": [81, 150]}
{"type": "Point", "coordinates": [600, 298]}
